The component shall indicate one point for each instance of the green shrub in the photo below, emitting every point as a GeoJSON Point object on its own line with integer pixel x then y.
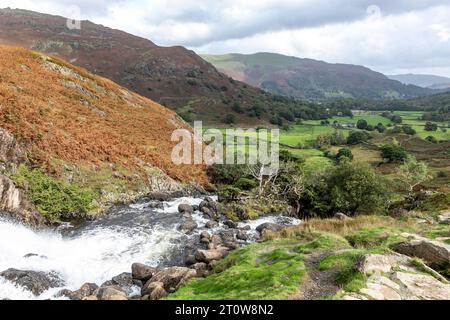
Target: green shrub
{"type": "Point", "coordinates": [246, 184]}
{"type": "Point", "coordinates": [357, 137]}
{"type": "Point", "coordinates": [54, 199]}
{"type": "Point", "coordinates": [393, 153]}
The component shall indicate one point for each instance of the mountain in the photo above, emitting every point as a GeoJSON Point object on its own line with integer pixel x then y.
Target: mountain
{"type": "Point", "coordinates": [172, 76]}
{"type": "Point", "coordinates": [307, 78]}
{"type": "Point", "coordinates": [423, 80]}
{"type": "Point", "coordinates": [82, 129]}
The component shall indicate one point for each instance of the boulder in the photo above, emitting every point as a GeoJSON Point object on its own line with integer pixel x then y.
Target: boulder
{"type": "Point", "coordinates": [35, 281]}
{"type": "Point", "coordinates": [422, 286]}
{"type": "Point", "coordinates": [201, 268]}
{"type": "Point", "coordinates": [110, 293]}
{"type": "Point", "coordinates": [205, 237]}
{"type": "Point", "coordinates": [211, 224]}
{"type": "Point", "coordinates": [188, 226]}
{"type": "Point", "coordinates": [124, 281]}
{"type": "Point", "coordinates": [381, 263]}
{"type": "Point", "coordinates": [85, 291]}
{"type": "Point", "coordinates": [209, 255]}
{"type": "Point", "coordinates": [341, 216]}
{"type": "Point", "coordinates": [269, 226]}
{"type": "Point", "coordinates": [209, 208]}
{"type": "Point", "coordinates": [242, 235]}
{"type": "Point", "coordinates": [159, 196]}
{"type": "Point", "coordinates": [142, 272]}
{"type": "Point", "coordinates": [434, 253]}
{"type": "Point", "coordinates": [153, 291]}
{"type": "Point", "coordinates": [444, 218]}
{"type": "Point", "coordinates": [172, 278]}
{"type": "Point", "coordinates": [190, 260]}
{"type": "Point", "coordinates": [185, 208]}
{"type": "Point", "coordinates": [231, 224]}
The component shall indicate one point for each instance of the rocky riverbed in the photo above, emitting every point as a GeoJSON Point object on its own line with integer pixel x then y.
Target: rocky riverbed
{"type": "Point", "coordinates": [144, 250]}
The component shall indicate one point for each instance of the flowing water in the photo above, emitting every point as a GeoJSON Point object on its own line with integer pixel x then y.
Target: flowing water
{"type": "Point", "coordinates": [96, 251]}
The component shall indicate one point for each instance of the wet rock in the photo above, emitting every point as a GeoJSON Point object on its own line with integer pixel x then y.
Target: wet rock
{"type": "Point", "coordinates": [155, 205]}
{"type": "Point", "coordinates": [231, 224]}
{"type": "Point", "coordinates": [185, 208]}
{"type": "Point", "coordinates": [268, 226]}
{"type": "Point", "coordinates": [35, 281]}
{"type": "Point", "coordinates": [246, 228]}
{"type": "Point", "coordinates": [434, 253]}
{"type": "Point", "coordinates": [159, 196]}
{"type": "Point", "coordinates": [123, 281]}
{"type": "Point", "coordinates": [190, 260]}
{"type": "Point", "coordinates": [242, 235]}
{"type": "Point", "coordinates": [211, 224]}
{"type": "Point", "coordinates": [142, 272]}
{"type": "Point", "coordinates": [85, 291]}
{"type": "Point", "coordinates": [209, 208]}
{"type": "Point", "coordinates": [110, 293]}
{"type": "Point", "coordinates": [205, 237]}
{"type": "Point", "coordinates": [34, 255]}
{"type": "Point", "coordinates": [172, 278]}
{"type": "Point", "coordinates": [188, 226]}
{"type": "Point", "coordinates": [341, 216]}
{"type": "Point", "coordinates": [154, 291]}
{"type": "Point", "coordinates": [227, 236]}
{"type": "Point", "coordinates": [195, 207]}
{"type": "Point", "coordinates": [209, 255]}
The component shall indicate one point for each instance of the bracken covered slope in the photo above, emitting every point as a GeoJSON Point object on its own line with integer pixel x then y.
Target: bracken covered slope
{"type": "Point", "coordinates": [70, 120]}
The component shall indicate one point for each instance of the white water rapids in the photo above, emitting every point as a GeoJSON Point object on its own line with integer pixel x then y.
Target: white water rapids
{"type": "Point", "coordinates": [98, 250]}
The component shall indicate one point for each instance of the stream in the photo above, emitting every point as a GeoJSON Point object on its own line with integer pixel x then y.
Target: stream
{"type": "Point", "coordinates": [95, 251]}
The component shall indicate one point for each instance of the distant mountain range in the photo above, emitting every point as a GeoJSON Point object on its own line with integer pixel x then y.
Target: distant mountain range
{"type": "Point", "coordinates": [423, 80]}
{"type": "Point", "coordinates": [311, 79]}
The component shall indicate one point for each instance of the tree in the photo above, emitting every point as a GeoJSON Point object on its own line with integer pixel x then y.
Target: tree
{"type": "Point", "coordinates": [380, 128]}
{"type": "Point", "coordinates": [362, 124]}
{"type": "Point", "coordinates": [357, 137]}
{"type": "Point", "coordinates": [236, 107]}
{"type": "Point", "coordinates": [412, 173]}
{"type": "Point", "coordinates": [430, 126]}
{"type": "Point", "coordinates": [409, 130]}
{"type": "Point", "coordinates": [393, 152]}
{"type": "Point", "coordinates": [344, 153]}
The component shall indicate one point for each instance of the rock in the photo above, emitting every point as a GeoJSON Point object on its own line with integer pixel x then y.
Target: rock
{"type": "Point", "coordinates": [12, 154]}
{"type": "Point", "coordinates": [201, 268]}
{"type": "Point", "coordinates": [159, 196]}
{"type": "Point", "coordinates": [85, 291]}
{"type": "Point", "coordinates": [35, 281]}
{"type": "Point", "coordinates": [172, 278]}
{"type": "Point", "coordinates": [91, 298]}
{"type": "Point", "coordinates": [380, 263]}
{"type": "Point", "coordinates": [209, 255]}
{"type": "Point", "coordinates": [205, 237]}
{"type": "Point", "coordinates": [444, 218]}
{"type": "Point", "coordinates": [227, 236]}
{"type": "Point", "coordinates": [341, 216]}
{"type": "Point", "coordinates": [124, 281]}
{"type": "Point", "coordinates": [211, 224]}
{"type": "Point", "coordinates": [423, 286]}
{"type": "Point", "coordinates": [142, 272]}
{"type": "Point", "coordinates": [246, 228]}
{"type": "Point", "coordinates": [268, 226]}
{"type": "Point", "coordinates": [190, 260]}
{"type": "Point", "coordinates": [382, 288]}
{"type": "Point", "coordinates": [185, 208]}
{"type": "Point", "coordinates": [209, 208]}
{"type": "Point", "coordinates": [231, 224]}
{"type": "Point", "coordinates": [154, 291]}
{"type": "Point", "coordinates": [195, 207]}
{"type": "Point", "coordinates": [242, 235]}
{"type": "Point", "coordinates": [188, 226]}
{"type": "Point", "coordinates": [434, 253]}
{"type": "Point", "coordinates": [34, 255]}
{"type": "Point", "coordinates": [110, 293]}
{"type": "Point", "coordinates": [155, 205]}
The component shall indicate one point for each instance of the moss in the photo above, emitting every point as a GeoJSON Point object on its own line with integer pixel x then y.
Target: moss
{"type": "Point", "coordinates": [257, 272]}
{"type": "Point", "coordinates": [323, 242]}
{"type": "Point", "coordinates": [231, 215]}
{"type": "Point", "coordinates": [374, 237]}
{"type": "Point", "coordinates": [54, 199]}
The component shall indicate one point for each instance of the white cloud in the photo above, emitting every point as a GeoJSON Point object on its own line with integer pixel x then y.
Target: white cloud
{"type": "Point", "coordinates": [382, 34]}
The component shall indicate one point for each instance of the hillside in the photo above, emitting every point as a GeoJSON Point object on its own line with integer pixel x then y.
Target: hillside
{"type": "Point", "coordinates": [423, 80]}
{"type": "Point", "coordinates": [311, 79]}
{"type": "Point", "coordinates": [82, 129]}
{"type": "Point", "coordinates": [172, 76]}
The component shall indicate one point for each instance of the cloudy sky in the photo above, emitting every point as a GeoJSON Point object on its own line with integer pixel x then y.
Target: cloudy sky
{"type": "Point", "coordinates": [391, 36]}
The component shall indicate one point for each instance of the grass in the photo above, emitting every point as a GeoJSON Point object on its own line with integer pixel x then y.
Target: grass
{"type": "Point", "coordinates": [257, 272]}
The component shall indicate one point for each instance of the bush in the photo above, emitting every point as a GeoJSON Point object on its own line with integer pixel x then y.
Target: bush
{"type": "Point", "coordinates": [393, 153]}
{"type": "Point", "coordinates": [350, 187]}
{"type": "Point", "coordinates": [236, 107]}
{"type": "Point", "coordinates": [357, 137]}
{"type": "Point", "coordinates": [344, 153]}
{"type": "Point", "coordinates": [230, 119]}
{"type": "Point", "coordinates": [409, 130]}
{"type": "Point", "coordinates": [225, 174]}
{"type": "Point", "coordinates": [246, 184]}
{"type": "Point", "coordinates": [431, 139]}
{"type": "Point", "coordinates": [229, 193]}
{"type": "Point", "coordinates": [430, 126]}
{"type": "Point", "coordinates": [55, 200]}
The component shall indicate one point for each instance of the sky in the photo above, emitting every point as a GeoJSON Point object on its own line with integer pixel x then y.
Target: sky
{"type": "Point", "coordinates": [390, 36]}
